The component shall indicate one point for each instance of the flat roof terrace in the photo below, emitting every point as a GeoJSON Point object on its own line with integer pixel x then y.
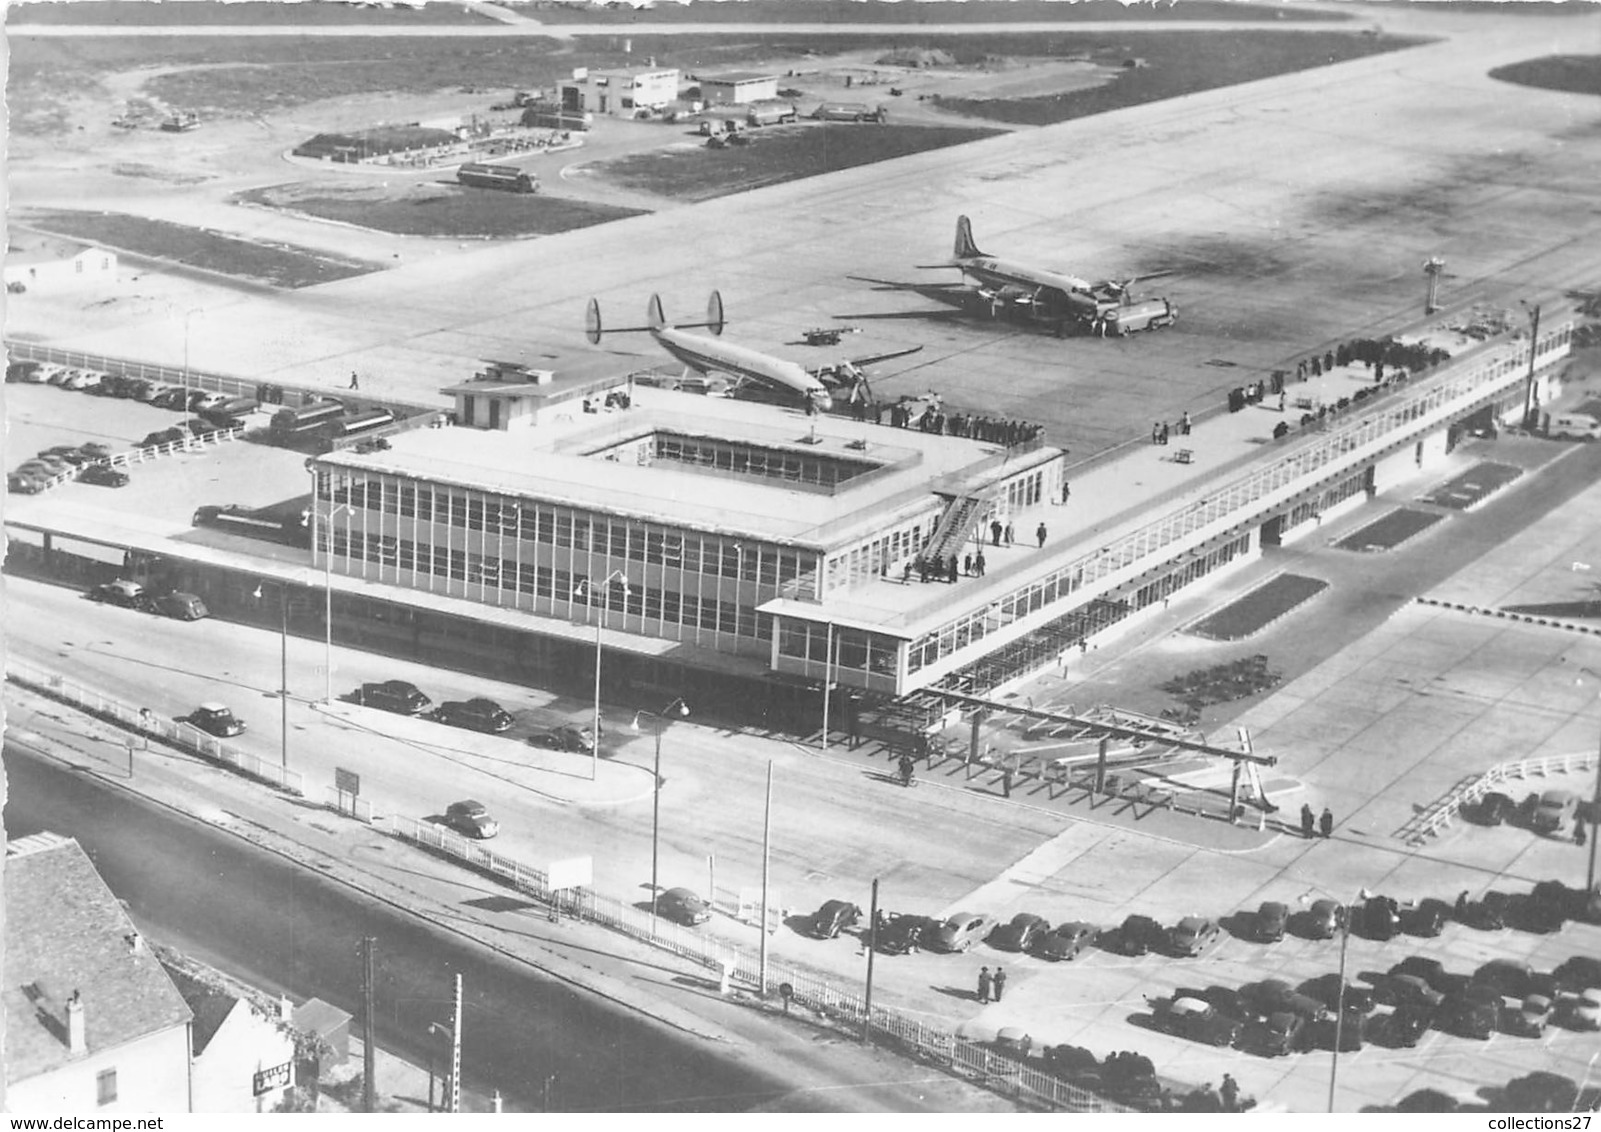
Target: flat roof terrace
{"type": "Point", "coordinates": [900, 470]}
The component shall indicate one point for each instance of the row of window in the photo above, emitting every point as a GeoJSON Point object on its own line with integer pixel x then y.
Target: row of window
{"type": "Point", "coordinates": [873, 559]}
{"type": "Point", "coordinates": [956, 635]}
{"type": "Point", "coordinates": [852, 648]}
{"type": "Point", "coordinates": [562, 588]}
{"type": "Point", "coordinates": [767, 463]}
{"type": "Point", "coordinates": [566, 528]}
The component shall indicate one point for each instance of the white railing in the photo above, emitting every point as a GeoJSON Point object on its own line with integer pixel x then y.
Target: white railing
{"type": "Point", "coordinates": [1519, 771]}
{"type": "Point", "coordinates": [147, 724]}
{"type": "Point", "coordinates": [990, 1068]}
{"type": "Point", "coordinates": [187, 444]}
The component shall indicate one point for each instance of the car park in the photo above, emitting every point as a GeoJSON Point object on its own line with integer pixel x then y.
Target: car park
{"type": "Point", "coordinates": [217, 719]}
{"type": "Point", "coordinates": [1192, 935]}
{"type": "Point", "coordinates": [1137, 935]}
{"type": "Point", "coordinates": [1471, 1013]}
{"type": "Point", "coordinates": [903, 932]}
{"type": "Point", "coordinates": [1554, 811]}
{"type": "Point", "coordinates": [1580, 1011]}
{"type": "Point", "coordinates": [393, 695]}
{"type": "Point", "coordinates": [832, 918]}
{"type": "Point", "coordinates": [683, 906]}
{"type": "Point", "coordinates": [122, 591]}
{"type": "Point", "coordinates": [103, 475]}
{"type": "Point", "coordinates": [960, 932]}
{"type": "Point", "coordinates": [1271, 920]}
{"type": "Point", "coordinates": [1324, 919]}
{"type": "Point", "coordinates": [1199, 1021]}
{"type": "Point", "coordinates": [476, 715]}
{"type": "Point", "coordinates": [564, 738]}
{"type": "Point", "coordinates": [471, 819]}
{"type": "Point", "coordinates": [1065, 941]}
{"type": "Point", "coordinates": [1020, 933]}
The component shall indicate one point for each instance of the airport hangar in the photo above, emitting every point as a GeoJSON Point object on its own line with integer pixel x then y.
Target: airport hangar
{"type": "Point", "coordinates": [749, 555]}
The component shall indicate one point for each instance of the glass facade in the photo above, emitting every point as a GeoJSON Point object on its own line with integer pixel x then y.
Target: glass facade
{"type": "Point", "coordinates": [870, 657]}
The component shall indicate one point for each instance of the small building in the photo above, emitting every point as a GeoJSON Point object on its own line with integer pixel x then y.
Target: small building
{"type": "Point", "coordinates": [738, 87]}
{"type": "Point", "coordinates": [243, 1052]}
{"type": "Point", "coordinates": [45, 263]}
{"type": "Point", "coordinates": [509, 395]}
{"type": "Point", "coordinates": [93, 1023]}
{"type": "Point", "coordinates": [620, 93]}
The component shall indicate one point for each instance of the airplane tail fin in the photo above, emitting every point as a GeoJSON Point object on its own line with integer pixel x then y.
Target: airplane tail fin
{"type": "Point", "coordinates": [592, 329]}
{"type": "Point", "coordinates": [714, 313]}
{"type": "Point", "coordinates": [654, 318]}
{"type": "Point", "coordinates": [964, 239]}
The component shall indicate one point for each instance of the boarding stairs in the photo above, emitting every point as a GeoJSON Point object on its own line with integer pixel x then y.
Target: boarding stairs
{"type": "Point", "coordinates": [956, 525]}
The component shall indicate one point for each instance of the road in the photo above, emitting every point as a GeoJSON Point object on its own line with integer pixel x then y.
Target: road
{"type": "Point", "coordinates": [286, 928]}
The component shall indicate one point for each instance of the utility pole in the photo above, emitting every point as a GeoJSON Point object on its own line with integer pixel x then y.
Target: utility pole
{"type": "Point", "coordinates": [1529, 416]}
{"type": "Point", "coordinates": [453, 1090]}
{"type": "Point", "coordinates": [767, 836]}
{"type": "Point", "coordinates": [872, 946]}
{"type": "Point", "coordinates": [369, 1028]}
{"type": "Point", "coordinates": [1595, 827]}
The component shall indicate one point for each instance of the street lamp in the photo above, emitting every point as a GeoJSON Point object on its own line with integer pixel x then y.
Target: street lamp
{"type": "Point", "coordinates": [328, 595]}
{"type": "Point", "coordinates": [587, 590]}
{"type": "Point", "coordinates": [681, 709]}
{"type": "Point", "coordinates": [1595, 812]}
{"type": "Point", "coordinates": [283, 662]}
{"type": "Point", "coordinates": [187, 315]}
{"type": "Point", "coordinates": [1346, 913]}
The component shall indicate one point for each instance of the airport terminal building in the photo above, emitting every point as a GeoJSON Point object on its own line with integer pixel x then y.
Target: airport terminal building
{"type": "Point", "coordinates": [763, 548]}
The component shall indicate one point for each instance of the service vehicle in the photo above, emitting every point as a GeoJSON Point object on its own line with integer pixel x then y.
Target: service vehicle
{"type": "Point", "coordinates": [1144, 314]}
{"type": "Point", "coordinates": [770, 113]}
{"type": "Point", "coordinates": [508, 178]}
{"type": "Point", "coordinates": [1573, 426]}
{"type": "Point", "coordinates": [289, 423]}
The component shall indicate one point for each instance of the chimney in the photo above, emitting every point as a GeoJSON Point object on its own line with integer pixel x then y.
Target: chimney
{"type": "Point", "coordinates": [286, 1008]}
{"type": "Point", "coordinates": [76, 1043]}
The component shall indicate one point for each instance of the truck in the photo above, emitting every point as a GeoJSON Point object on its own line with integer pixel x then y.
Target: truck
{"type": "Point", "coordinates": [771, 113]}
{"type": "Point", "coordinates": [850, 112]}
{"type": "Point", "coordinates": [508, 178]}
{"type": "Point", "coordinates": [1147, 314]}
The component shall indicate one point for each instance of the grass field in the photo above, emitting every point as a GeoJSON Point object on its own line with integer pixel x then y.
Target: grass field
{"type": "Point", "coordinates": [440, 210]}
{"type": "Point", "coordinates": [877, 12]}
{"type": "Point", "coordinates": [1575, 74]}
{"type": "Point", "coordinates": [244, 13]}
{"type": "Point", "coordinates": [277, 265]}
{"type": "Point", "coordinates": [778, 154]}
{"type": "Point", "coordinates": [1176, 64]}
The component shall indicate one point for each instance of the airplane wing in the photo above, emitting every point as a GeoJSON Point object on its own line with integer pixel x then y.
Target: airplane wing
{"type": "Point", "coordinates": [873, 359]}
{"type": "Point", "coordinates": [922, 288]}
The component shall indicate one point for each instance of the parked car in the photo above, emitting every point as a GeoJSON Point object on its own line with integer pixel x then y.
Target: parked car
{"type": "Point", "coordinates": [393, 695]}
{"type": "Point", "coordinates": [1494, 808]}
{"type": "Point", "coordinates": [1274, 996]}
{"type": "Point", "coordinates": [1506, 976]}
{"type": "Point", "coordinates": [1327, 1032]}
{"type": "Point", "coordinates": [37, 469]}
{"type": "Point", "coordinates": [564, 738]}
{"type": "Point", "coordinates": [164, 436]}
{"type": "Point", "coordinates": [181, 606]}
{"type": "Point", "coordinates": [1531, 1018]}
{"type": "Point", "coordinates": [1199, 1021]}
{"type": "Point", "coordinates": [1020, 933]}
{"type": "Point", "coordinates": [103, 475]}
{"type": "Point", "coordinates": [1580, 1011]}
{"type": "Point", "coordinates": [61, 376]}
{"type": "Point", "coordinates": [471, 819]}
{"type": "Point", "coordinates": [1431, 971]}
{"type": "Point", "coordinates": [1378, 918]}
{"type": "Point", "coordinates": [143, 389]}
{"type": "Point", "coordinates": [832, 918]}
{"type": "Point", "coordinates": [217, 719]}
{"type": "Point", "coordinates": [84, 379]}
{"type": "Point", "coordinates": [174, 397]}
{"type": "Point", "coordinates": [1540, 1091]}
{"type": "Point", "coordinates": [961, 931]}
{"type": "Point", "coordinates": [24, 483]}
{"type": "Point", "coordinates": [1138, 935]}
{"type": "Point", "coordinates": [1065, 941]}
{"type": "Point", "coordinates": [1427, 919]}
{"type": "Point", "coordinates": [1554, 900]}
{"type": "Point", "coordinates": [903, 932]}
{"type": "Point", "coordinates": [1403, 1027]}
{"type": "Point", "coordinates": [70, 453]}
{"type": "Point", "coordinates": [201, 399]}
{"type": "Point", "coordinates": [52, 460]}
{"type": "Point", "coordinates": [1280, 1033]}
{"type": "Point", "coordinates": [1324, 919]}
{"type": "Point", "coordinates": [1579, 972]}
{"type": "Point", "coordinates": [1326, 989]}
{"type": "Point", "coordinates": [683, 906]}
{"type": "Point", "coordinates": [1192, 935]}
{"type": "Point", "coordinates": [1489, 913]}
{"type": "Point", "coordinates": [1271, 920]}
{"type": "Point", "coordinates": [1014, 1040]}
{"type": "Point", "coordinates": [476, 714]}
{"type": "Point", "coordinates": [1411, 990]}
{"type": "Point", "coordinates": [1554, 811]}
{"type": "Point", "coordinates": [29, 371]}
{"type": "Point", "coordinates": [1472, 1013]}
{"type": "Point", "coordinates": [123, 592]}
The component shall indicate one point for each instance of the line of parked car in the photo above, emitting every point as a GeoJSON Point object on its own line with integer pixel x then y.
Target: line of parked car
{"type": "Point", "coordinates": [84, 462]}
{"type": "Point", "coordinates": [1547, 812]}
{"type": "Point", "coordinates": [405, 698]}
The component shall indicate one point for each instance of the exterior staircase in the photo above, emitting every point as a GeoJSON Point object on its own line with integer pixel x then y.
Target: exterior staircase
{"type": "Point", "coordinates": [955, 525]}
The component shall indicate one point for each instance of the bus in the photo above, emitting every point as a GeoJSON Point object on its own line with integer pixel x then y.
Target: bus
{"type": "Point", "coordinates": [356, 424]}
{"type": "Point", "coordinates": [287, 423]}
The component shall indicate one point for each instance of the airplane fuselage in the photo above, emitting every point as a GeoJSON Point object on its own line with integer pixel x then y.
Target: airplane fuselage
{"type": "Point", "coordinates": [711, 355]}
{"type": "Point", "coordinates": [995, 272]}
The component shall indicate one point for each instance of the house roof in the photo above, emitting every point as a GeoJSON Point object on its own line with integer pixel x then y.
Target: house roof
{"type": "Point", "coordinates": [29, 247]}
{"type": "Point", "coordinates": [213, 995]}
{"type": "Point", "coordinates": [738, 77]}
{"type": "Point", "coordinates": [65, 931]}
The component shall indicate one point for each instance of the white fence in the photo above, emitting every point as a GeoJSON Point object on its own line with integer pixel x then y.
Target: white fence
{"type": "Point", "coordinates": [187, 444]}
{"type": "Point", "coordinates": [145, 723]}
{"type": "Point", "coordinates": [990, 1068]}
{"type": "Point", "coordinates": [1443, 814]}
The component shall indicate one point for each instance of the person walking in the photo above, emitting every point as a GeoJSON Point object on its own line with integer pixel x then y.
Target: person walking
{"type": "Point", "coordinates": [1039, 533]}
{"type": "Point", "coordinates": [1308, 819]}
{"type": "Point", "coordinates": [967, 564]}
{"type": "Point", "coordinates": [1000, 983]}
{"type": "Point", "coordinates": [1067, 491]}
{"type": "Point", "coordinates": [1229, 1090]}
{"type": "Point", "coordinates": [978, 564]}
{"type": "Point", "coordinates": [1325, 823]}
{"type": "Point", "coordinates": [995, 532]}
{"type": "Point", "coordinates": [950, 570]}
{"type": "Point", "coordinates": [1156, 432]}
{"type": "Point", "coordinates": [1184, 423]}
{"type": "Point", "coordinates": [1164, 433]}
{"type": "Point", "coordinates": [1008, 534]}
{"type": "Point", "coordinates": [355, 382]}
{"type": "Point", "coordinates": [984, 983]}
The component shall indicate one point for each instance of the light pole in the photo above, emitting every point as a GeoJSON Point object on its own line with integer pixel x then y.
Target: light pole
{"type": "Point", "coordinates": [1345, 914]}
{"type": "Point", "coordinates": [187, 315]}
{"type": "Point", "coordinates": [1595, 813]}
{"type": "Point", "coordinates": [679, 707]}
{"type": "Point", "coordinates": [283, 662]}
{"type": "Point", "coordinates": [1530, 418]}
{"type": "Point", "coordinates": [328, 595]}
{"type": "Point", "coordinates": [587, 589]}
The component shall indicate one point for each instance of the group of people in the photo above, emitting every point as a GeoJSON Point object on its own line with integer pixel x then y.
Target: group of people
{"type": "Point", "coordinates": [934, 419]}
{"type": "Point", "coordinates": [1312, 826]}
{"type": "Point", "coordinates": [991, 985]}
{"type": "Point", "coordinates": [1160, 431]}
